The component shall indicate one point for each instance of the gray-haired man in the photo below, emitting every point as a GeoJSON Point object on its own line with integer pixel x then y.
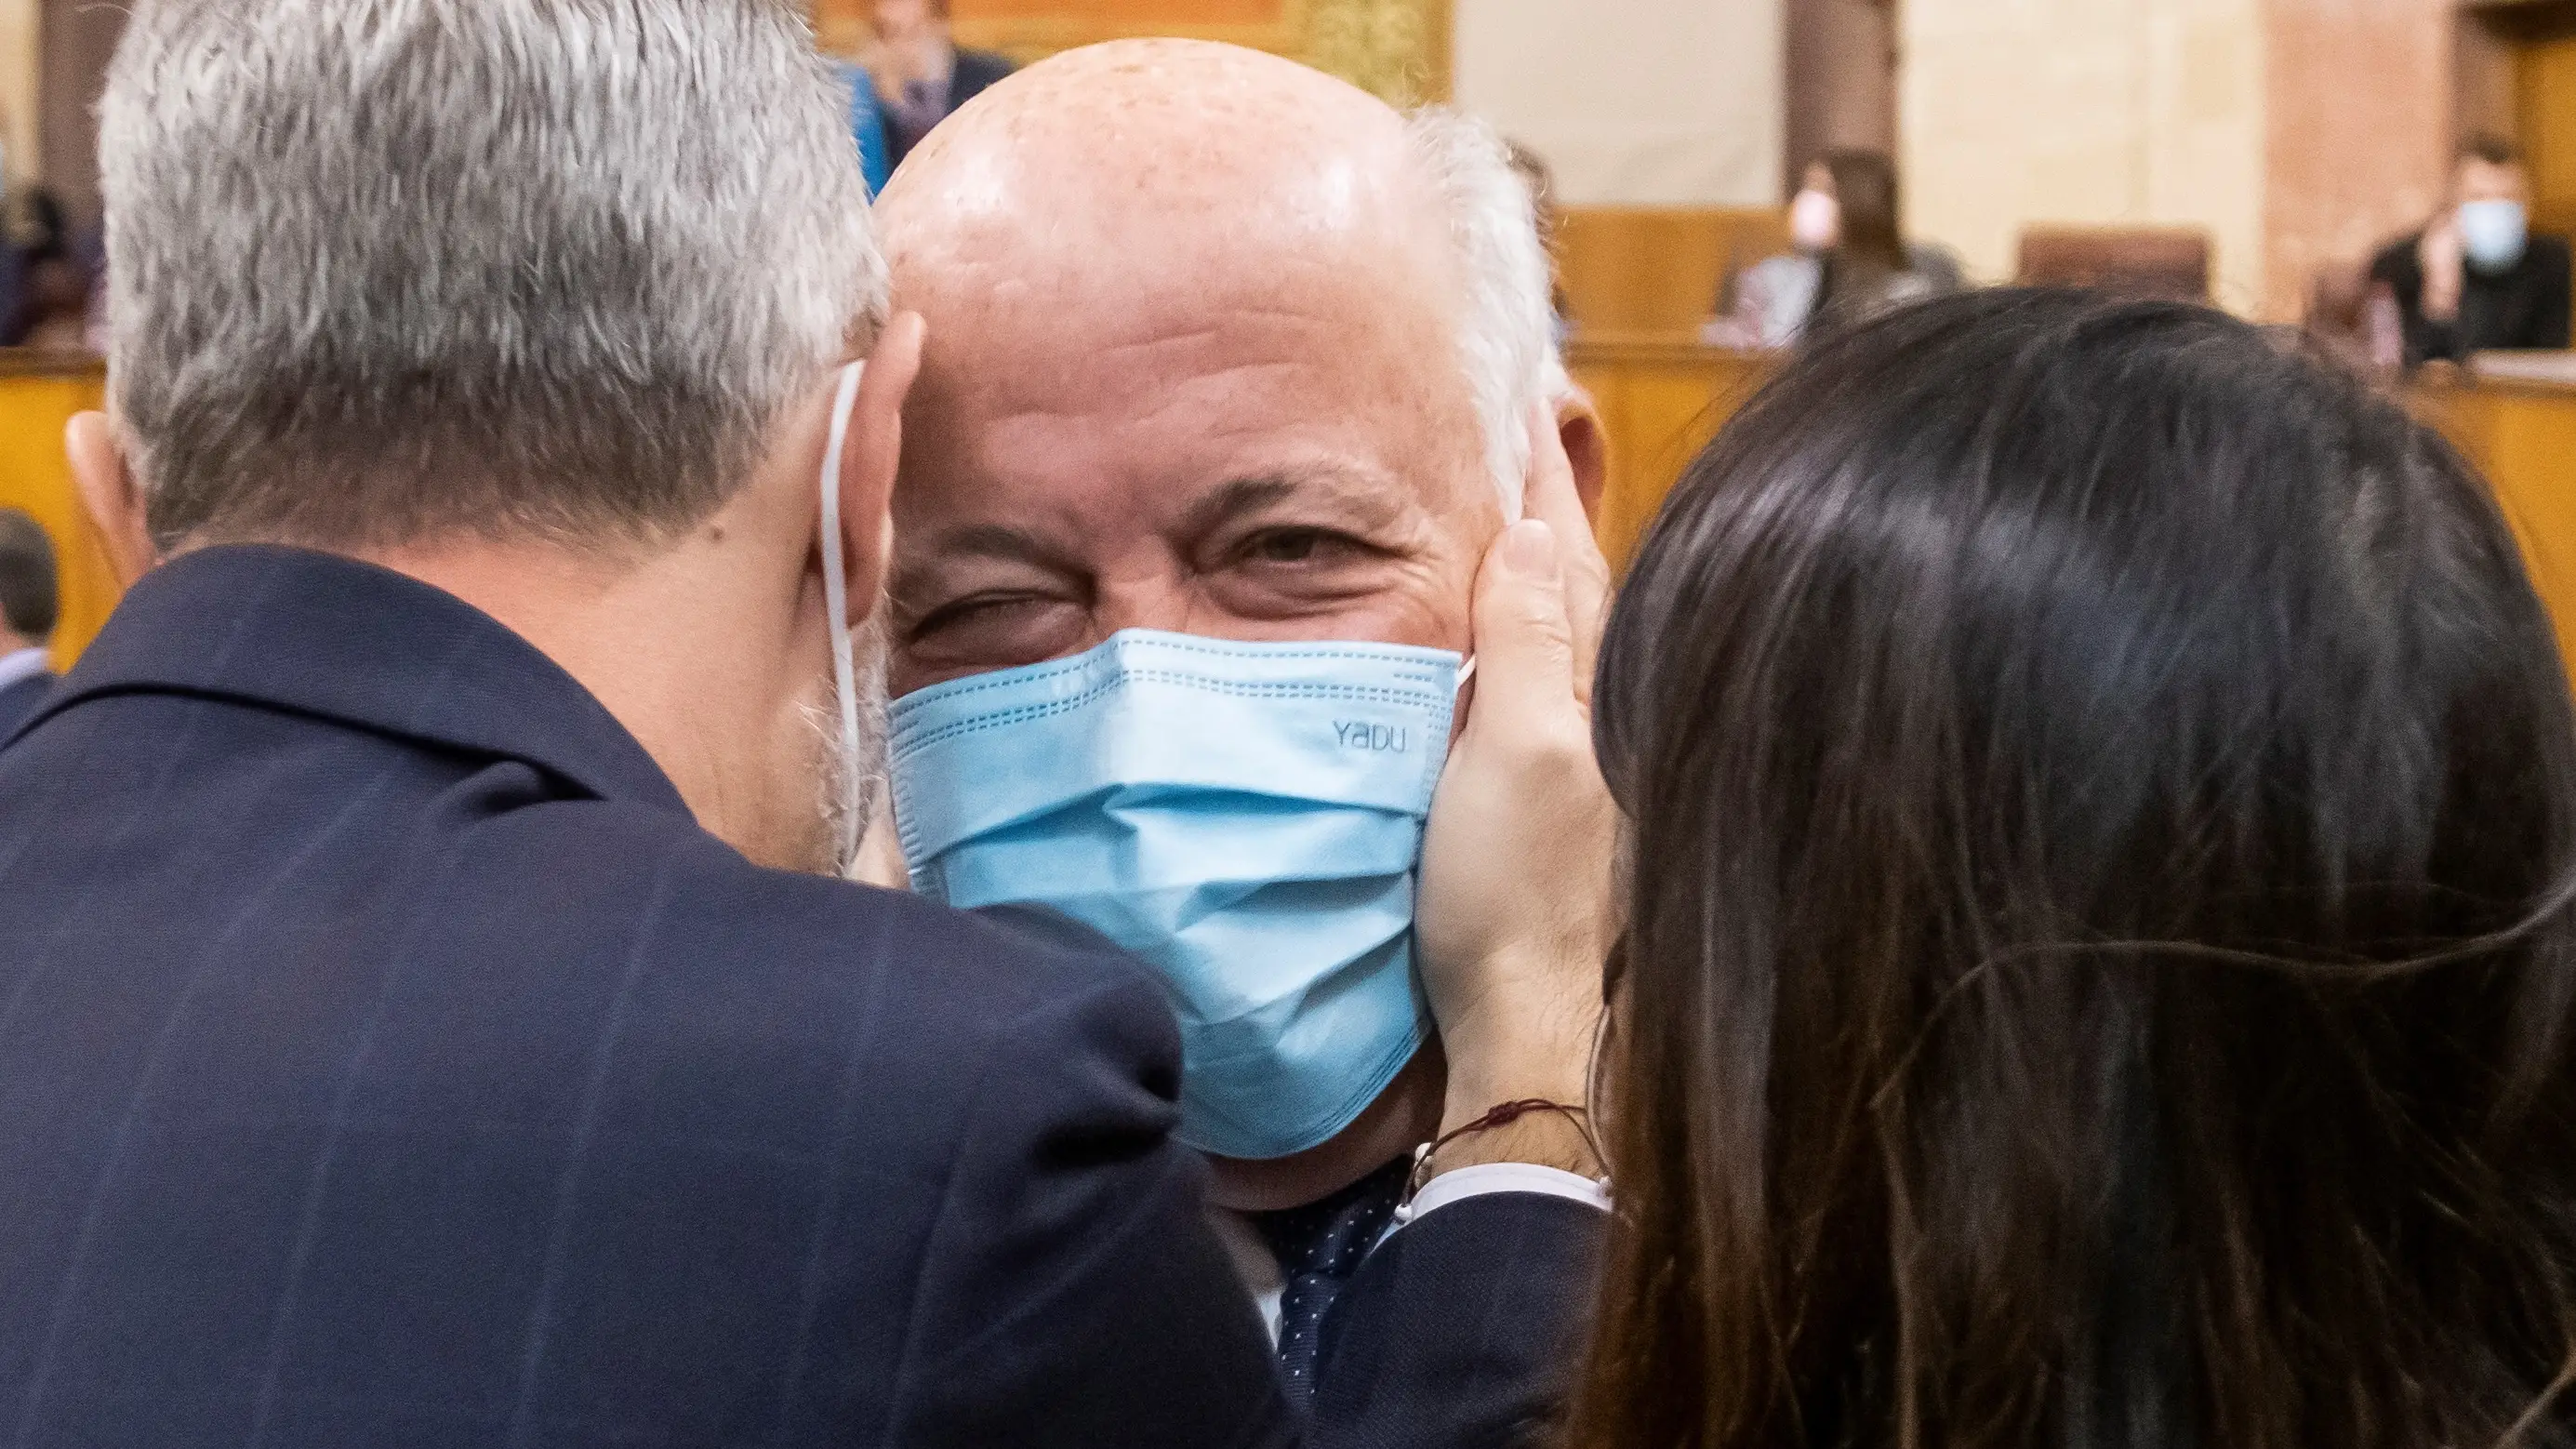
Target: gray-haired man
{"type": "Point", "coordinates": [426, 1016]}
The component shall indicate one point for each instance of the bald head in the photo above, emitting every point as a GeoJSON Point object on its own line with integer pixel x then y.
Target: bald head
{"type": "Point", "coordinates": [1178, 146]}
{"type": "Point", "coordinates": [1198, 165]}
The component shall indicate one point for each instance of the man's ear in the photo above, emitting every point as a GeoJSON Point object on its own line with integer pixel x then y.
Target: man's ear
{"type": "Point", "coordinates": [1587, 447]}
{"type": "Point", "coordinates": [111, 495]}
{"type": "Point", "coordinates": [872, 454]}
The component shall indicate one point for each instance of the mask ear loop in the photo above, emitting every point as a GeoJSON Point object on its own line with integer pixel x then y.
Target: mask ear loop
{"type": "Point", "coordinates": [836, 604]}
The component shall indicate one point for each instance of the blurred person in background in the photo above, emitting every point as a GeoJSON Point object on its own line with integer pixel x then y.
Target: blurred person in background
{"type": "Point", "coordinates": [1274, 373]}
{"type": "Point", "coordinates": [868, 127]}
{"type": "Point", "coordinates": [429, 1010]}
{"type": "Point", "coordinates": [1850, 261]}
{"type": "Point", "coordinates": [1540, 178]}
{"type": "Point", "coordinates": [2099, 969]}
{"type": "Point", "coordinates": [922, 77]}
{"type": "Point", "coordinates": [30, 604]}
{"type": "Point", "coordinates": [61, 273]}
{"type": "Point", "coordinates": [2477, 278]}
{"type": "Point", "coordinates": [2352, 318]}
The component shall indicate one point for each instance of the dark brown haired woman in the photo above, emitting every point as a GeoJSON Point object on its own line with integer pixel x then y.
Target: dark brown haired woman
{"type": "Point", "coordinates": [2100, 968]}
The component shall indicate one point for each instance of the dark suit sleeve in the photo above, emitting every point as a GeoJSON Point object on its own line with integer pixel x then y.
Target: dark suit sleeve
{"type": "Point", "coordinates": [1074, 1293]}
{"type": "Point", "coordinates": [1465, 1329]}
{"type": "Point", "coordinates": [2550, 319]}
{"type": "Point", "coordinates": [2395, 265]}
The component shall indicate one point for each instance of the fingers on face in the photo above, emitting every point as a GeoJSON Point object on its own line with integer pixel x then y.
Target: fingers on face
{"type": "Point", "coordinates": [1554, 501]}
{"type": "Point", "coordinates": [1524, 640]}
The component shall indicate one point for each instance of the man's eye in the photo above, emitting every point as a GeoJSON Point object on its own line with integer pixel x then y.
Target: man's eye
{"type": "Point", "coordinates": [1295, 546]}
{"type": "Point", "coordinates": [983, 609]}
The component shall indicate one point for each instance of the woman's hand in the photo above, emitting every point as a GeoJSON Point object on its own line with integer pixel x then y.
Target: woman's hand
{"type": "Point", "coordinates": [1515, 915]}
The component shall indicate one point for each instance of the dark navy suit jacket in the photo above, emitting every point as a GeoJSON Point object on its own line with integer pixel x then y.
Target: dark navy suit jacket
{"type": "Point", "coordinates": [17, 701]}
{"type": "Point", "coordinates": [388, 1059]}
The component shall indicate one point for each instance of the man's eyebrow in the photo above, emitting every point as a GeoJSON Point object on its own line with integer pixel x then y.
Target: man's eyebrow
{"type": "Point", "coordinates": [915, 573]}
{"type": "Point", "coordinates": [1367, 498]}
{"type": "Point", "coordinates": [993, 540]}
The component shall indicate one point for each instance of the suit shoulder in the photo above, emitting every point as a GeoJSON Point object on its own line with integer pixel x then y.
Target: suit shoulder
{"type": "Point", "coordinates": [957, 1015]}
{"type": "Point", "coordinates": [941, 994]}
{"type": "Point", "coordinates": [995, 968]}
{"type": "Point", "coordinates": [1061, 1041]}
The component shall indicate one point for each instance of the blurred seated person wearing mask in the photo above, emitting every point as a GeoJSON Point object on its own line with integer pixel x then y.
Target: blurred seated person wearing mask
{"type": "Point", "coordinates": [2477, 279]}
{"type": "Point", "coordinates": [1851, 261]}
{"type": "Point", "coordinates": [1212, 431]}
{"type": "Point", "coordinates": [2100, 967]}
{"type": "Point", "coordinates": [921, 76]}
{"type": "Point", "coordinates": [29, 606]}
{"type": "Point", "coordinates": [55, 274]}
{"type": "Point", "coordinates": [428, 1014]}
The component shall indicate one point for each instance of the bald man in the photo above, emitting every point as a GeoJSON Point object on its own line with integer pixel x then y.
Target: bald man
{"type": "Point", "coordinates": [1227, 360]}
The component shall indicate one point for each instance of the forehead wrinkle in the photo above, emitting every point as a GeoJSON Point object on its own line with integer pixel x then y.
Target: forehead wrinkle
{"type": "Point", "coordinates": [1364, 496]}
{"type": "Point", "coordinates": [1120, 205]}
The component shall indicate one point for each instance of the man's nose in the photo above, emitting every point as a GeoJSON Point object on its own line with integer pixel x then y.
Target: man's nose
{"type": "Point", "coordinates": [1163, 601]}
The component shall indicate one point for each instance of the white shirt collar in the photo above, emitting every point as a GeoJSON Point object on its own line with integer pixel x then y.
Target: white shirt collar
{"type": "Point", "coordinates": [24, 664]}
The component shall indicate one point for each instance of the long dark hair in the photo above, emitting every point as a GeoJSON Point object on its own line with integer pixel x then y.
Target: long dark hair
{"type": "Point", "coordinates": [2099, 966]}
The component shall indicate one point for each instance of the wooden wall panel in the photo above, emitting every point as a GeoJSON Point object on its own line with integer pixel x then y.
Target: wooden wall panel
{"type": "Point", "coordinates": [1398, 49]}
{"type": "Point", "coordinates": [1658, 270]}
{"type": "Point", "coordinates": [2523, 438]}
{"type": "Point", "coordinates": [2545, 111]}
{"type": "Point", "coordinates": [1660, 403]}
{"type": "Point", "coordinates": [36, 402]}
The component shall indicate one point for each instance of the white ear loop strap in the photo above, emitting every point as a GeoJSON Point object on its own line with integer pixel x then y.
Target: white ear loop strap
{"type": "Point", "coordinates": [836, 604]}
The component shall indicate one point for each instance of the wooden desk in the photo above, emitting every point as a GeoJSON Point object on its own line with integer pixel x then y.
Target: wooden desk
{"type": "Point", "coordinates": [1658, 269]}
{"type": "Point", "coordinates": [1663, 397]}
{"type": "Point", "coordinates": [39, 392]}
{"type": "Point", "coordinates": [2522, 435]}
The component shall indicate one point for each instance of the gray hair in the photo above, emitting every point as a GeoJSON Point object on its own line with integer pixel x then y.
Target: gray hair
{"type": "Point", "coordinates": [385, 268]}
{"type": "Point", "coordinates": [1509, 330]}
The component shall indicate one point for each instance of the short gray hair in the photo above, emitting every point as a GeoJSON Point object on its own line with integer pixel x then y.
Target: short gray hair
{"type": "Point", "coordinates": [386, 268]}
{"type": "Point", "coordinates": [1509, 330]}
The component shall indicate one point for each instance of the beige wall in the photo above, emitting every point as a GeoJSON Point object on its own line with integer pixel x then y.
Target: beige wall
{"type": "Point", "coordinates": [1633, 102]}
{"type": "Point", "coordinates": [18, 25]}
{"type": "Point", "coordinates": [2361, 117]}
{"type": "Point", "coordinates": [2095, 112]}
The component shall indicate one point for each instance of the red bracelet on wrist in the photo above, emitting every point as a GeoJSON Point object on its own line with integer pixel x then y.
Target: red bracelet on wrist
{"type": "Point", "coordinates": [1501, 1116]}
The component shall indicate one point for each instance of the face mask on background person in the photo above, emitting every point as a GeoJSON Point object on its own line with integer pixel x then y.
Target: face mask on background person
{"type": "Point", "coordinates": [2493, 234]}
{"type": "Point", "coordinates": [1247, 818]}
{"type": "Point", "coordinates": [1815, 221]}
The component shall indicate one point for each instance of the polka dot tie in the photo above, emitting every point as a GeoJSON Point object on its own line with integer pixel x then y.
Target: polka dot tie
{"type": "Point", "coordinates": [1319, 1246]}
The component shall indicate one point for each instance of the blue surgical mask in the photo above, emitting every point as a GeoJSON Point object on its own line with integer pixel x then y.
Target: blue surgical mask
{"type": "Point", "coordinates": [2493, 233]}
{"type": "Point", "coordinates": [1247, 818]}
